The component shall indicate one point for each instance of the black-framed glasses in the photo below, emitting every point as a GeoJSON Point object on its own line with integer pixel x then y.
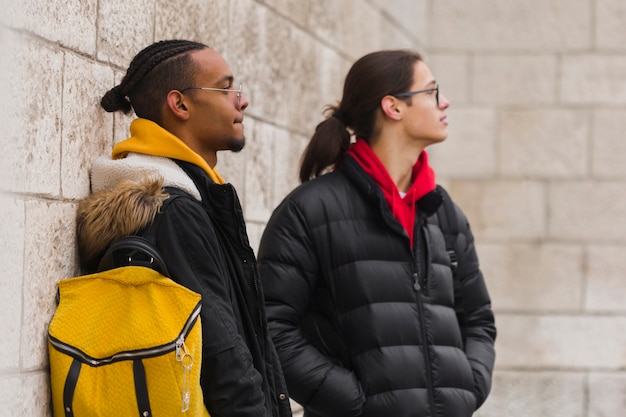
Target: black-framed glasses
{"type": "Point", "coordinates": [226, 90]}
{"type": "Point", "coordinates": [429, 90]}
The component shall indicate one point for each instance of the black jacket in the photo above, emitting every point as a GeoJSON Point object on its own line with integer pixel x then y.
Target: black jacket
{"type": "Point", "coordinates": [205, 248]}
{"type": "Point", "coordinates": [365, 326]}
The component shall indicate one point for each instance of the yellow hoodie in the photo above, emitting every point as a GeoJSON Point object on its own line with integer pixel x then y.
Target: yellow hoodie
{"type": "Point", "coordinates": [149, 138]}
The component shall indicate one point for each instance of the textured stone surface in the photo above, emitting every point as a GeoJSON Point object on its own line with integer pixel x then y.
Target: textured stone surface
{"type": "Point", "coordinates": [26, 395]}
{"type": "Point", "coordinates": [124, 28]}
{"type": "Point", "coordinates": [12, 261]}
{"type": "Point", "coordinates": [577, 342]}
{"type": "Point", "coordinates": [203, 21]}
{"type": "Point", "coordinates": [71, 23]}
{"type": "Point", "coordinates": [593, 79]}
{"type": "Point", "coordinates": [587, 211]}
{"type": "Point", "coordinates": [470, 149]}
{"type": "Point", "coordinates": [606, 291]}
{"type": "Point", "coordinates": [534, 277]}
{"type": "Point", "coordinates": [546, 394]}
{"type": "Point", "coordinates": [50, 234]}
{"type": "Point", "coordinates": [452, 74]}
{"type": "Point", "coordinates": [514, 79]}
{"type": "Point", "coordinates": [502, 209]}
{"type": "Point", "coordinates": [87, 129]}
{"type": "Point", "coordinates": [609, 147]}
{"type": "Point", "coordinates": [258, 178]}
{"type": "Point", "coordinates": [607, 394]}
{"type": "Point", "coordinates": [544, 143]}
{"type": "Point", "coordinates": [610, 27]}
{"type": "Point", "coordinates": [511, 25]}
{"type": "Point", "coordinates": [33, 155]}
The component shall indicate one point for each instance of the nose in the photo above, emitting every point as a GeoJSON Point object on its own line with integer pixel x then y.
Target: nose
{"type": "Point", "coordinates": [243, 102]}
{"type": "Point", "coordinates": [444, 103]}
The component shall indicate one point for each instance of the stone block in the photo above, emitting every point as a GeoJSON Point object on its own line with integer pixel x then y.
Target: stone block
{"type": "Point", "coordinates": [610, 24]}
{"type": "Point", "coordinates": [607, 394]}
{"type": "Point", "coordinates": [569, 342]}
{"type": "Point", "coordinates": [259, 172]}
{"type": "Point", "coordinates": [120, 39]}
{"type": "Point", "coordinates": [296, 10]}
{"type": "Point", "coordinates": [593, 79]}
{"type": "Point", "coordinates": [12, 261]}
{"type": "Point", "coordinates": [587, 211]}
{"type": "Point", "coordinates": [469, 152]}
{"type": "Point", "coordinates": [502, 210]}
{"type": "Point", "coordinates": [87, 128]}
{"type": "Point", "coordinates": [514, 79]}
{"type": "Point", "coordinates": [288, 148]}
{"type": "Point", "coordinates": [50, 242]}
{"type": "Point", "coordinates": [608, 146]}
{"type": "Point", "coordinates": [606, 289]}
{"type": "Point", "coordinates": [25, 395]}
{"type": "Point", "coordinates": [511, 25]}
{"type": "Point", "coordinates": [358, 18]}
{"type": "Point", "coordinates": [544, 143]}
{"type": "Point", "coordinates": [451, 72]}
{"type": "Point", "coordinates": [196, 20]}
{"type": "Point", "coordinates": [546, 394]}
{"type": "Point", "coordinates": [32, 133]}
{"type": "Point", "coordinates": [533, 277]}
{"type": "Point", "coordinates": [283, 65]}
{"type": "Point", "coordinates": [410, 15]}
{"type": "Point", "coordinates": [70, 23]}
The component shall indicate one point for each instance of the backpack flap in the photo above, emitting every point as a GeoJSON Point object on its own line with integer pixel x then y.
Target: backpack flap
{"type": "Point", "coordinates": [113, 326]}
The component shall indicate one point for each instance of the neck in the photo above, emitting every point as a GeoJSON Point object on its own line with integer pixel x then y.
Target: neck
{"type": "Point", "coordinates": [398, 160]}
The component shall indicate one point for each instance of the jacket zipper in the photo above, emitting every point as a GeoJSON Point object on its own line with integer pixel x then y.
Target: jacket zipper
{"type": "Point", "coordinates": [420, 308]}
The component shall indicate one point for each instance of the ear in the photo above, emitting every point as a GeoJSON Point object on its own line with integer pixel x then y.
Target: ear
{"type": "Point", "coordinates": [177, 104]}
{"type": "Point", "coordinates": [390, 108]}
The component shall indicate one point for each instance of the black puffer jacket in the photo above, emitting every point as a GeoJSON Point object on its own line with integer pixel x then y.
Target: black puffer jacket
{"type": "Point", "coordinates": [364, 326]}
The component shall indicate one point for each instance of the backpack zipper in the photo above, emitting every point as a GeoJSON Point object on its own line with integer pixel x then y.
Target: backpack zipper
{"type": "Point", "coordinates": [135, 354]}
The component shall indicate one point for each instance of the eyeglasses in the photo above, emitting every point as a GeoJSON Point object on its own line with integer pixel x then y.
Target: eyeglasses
{"type": "Point", "coordinates": [412, 93]}
{"type": "Point", "coordinates": [226, 90]}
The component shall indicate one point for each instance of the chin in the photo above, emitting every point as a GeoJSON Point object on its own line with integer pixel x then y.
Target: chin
{"type": "Point", "coordinates": [237, 145]}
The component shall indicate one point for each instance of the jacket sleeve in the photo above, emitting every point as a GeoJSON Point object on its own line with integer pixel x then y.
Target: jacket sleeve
{"type": "Point", "coordinates": [188, 244]}
{"type": "Point", "coordinates": [289, 271]}
{"type": "Point", "coordinates": [473, 306]}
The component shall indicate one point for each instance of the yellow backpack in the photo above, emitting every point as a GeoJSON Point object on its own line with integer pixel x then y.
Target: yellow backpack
{"type": "Point", "coordinates": [126, 342]}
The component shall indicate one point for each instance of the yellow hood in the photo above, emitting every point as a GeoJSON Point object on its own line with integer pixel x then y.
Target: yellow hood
{"type": "Point", "coordinates": [149, 138]}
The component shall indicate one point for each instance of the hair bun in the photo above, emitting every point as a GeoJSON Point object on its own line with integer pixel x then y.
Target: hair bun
{"type": "Point", "coordinates": [114, 101]}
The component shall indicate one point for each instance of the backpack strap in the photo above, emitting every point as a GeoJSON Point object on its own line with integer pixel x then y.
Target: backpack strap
{"type": "Point", "coordinates": [449, 226]}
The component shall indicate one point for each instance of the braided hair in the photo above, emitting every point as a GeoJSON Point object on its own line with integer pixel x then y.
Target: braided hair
{"type": "Point", "coordinates": [156, 70]}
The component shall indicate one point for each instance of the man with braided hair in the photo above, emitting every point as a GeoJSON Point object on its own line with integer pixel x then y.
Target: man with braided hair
{"type": "Point", "coordinates": [188, 109]}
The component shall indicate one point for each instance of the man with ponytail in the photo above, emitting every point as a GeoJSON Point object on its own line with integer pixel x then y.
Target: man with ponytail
{"type": "Point", "coordinates": [189, 108]}
{"type": "Point", "coordinates": [371, 313]}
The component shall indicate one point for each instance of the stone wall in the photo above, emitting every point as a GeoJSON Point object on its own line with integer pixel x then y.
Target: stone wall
{"type": "Point", "coordinates": [536, 157]}
{"type": "Point", "coordinates": [538, 91]}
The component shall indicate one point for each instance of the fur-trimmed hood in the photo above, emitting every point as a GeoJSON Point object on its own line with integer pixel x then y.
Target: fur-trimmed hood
{"type": "Point", "coordinates": [127, 195]}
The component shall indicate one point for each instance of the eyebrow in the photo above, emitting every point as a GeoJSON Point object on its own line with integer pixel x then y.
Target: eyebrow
{"type": "Point", "coordinates": [228, 78]}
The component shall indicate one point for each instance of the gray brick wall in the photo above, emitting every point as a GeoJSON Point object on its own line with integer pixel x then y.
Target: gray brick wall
{"type": "Point", "coordinates": [534, 156]}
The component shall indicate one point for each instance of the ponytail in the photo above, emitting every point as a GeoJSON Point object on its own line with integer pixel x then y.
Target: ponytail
{"type": "Point", "coordinates": [330, 139]}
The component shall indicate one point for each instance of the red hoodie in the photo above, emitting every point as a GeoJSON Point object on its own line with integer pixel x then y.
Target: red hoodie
{"type": "Point", "coordinates": [422, 182]}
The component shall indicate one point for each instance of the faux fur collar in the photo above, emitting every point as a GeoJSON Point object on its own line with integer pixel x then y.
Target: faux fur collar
{"type": "Point", "coordinates": [127, 195]}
